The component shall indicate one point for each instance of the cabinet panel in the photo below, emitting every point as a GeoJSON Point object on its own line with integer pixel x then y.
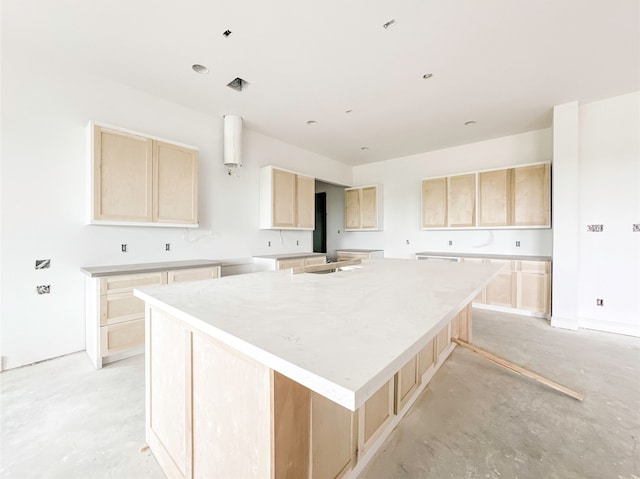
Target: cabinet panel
{"type": "Point", "coordinates": [369, 208]}
{"type": "Point", "coordinates": [122, 336]}
{"type": "Point", "coordinates": [332, 438]}
{"type": "Point", "coordinates": [494, 193]}
{"type": "Point", "coordinates": [305, 202]}
{"type": "Point", "coordinates": [434, 203]}
{"type": "Point", "coordinates": [284, 198]}
{"type": "Point", "coordinates": [290, 263]}
{"type": "Point", "coordinates": [406, 382]}
{"type": "Point", "coordinates": [125, 283]}
{"type": "Point", "coordinates": [533, 292]}
{"type": "Point", "coordinates": [531, 197]}
{"type": "Point", "coordinates": [461, 204]}
{"type": "Point", "coordinates": [176, 184]}
{"type": "Point", "coordinates": [378, 410]}
{"type": "Point", "coordinates": [501, 289]}
{"type": "Point", "coordinates": [443, 340]}
{"type": "Point", "coordinates": [352, 218]}
{"type": "Point", "coordinates": [312, 260]}
{"type": "Point", "coordinates": [120, 307]}
{"type": "Point", "coordinates": [426, 357]}
{"type": "Point", "coordinates": [195, 274]}
{"type": "Point", "coordinates": [123, 173]}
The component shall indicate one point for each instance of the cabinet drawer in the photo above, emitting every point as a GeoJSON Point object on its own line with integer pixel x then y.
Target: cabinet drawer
{"type": "Point", "coordinates": [120, 337]}
{"type": "Point", "coordinates": [194, 274]}
{"type": "Point", "coordinates": [346, 255]}
{"type": "Point", "coordinates": [120, 307]}
{"type": "Point", "coordinates": [124, 283]}
{"type": "Point", "coordinates": [290, 263]}
{"type": "Point", "coordinates": [315, 260]}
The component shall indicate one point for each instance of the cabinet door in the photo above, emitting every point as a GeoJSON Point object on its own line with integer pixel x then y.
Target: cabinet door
{"type": "Point", "coordinates": [123, 176]}
{"type": "Point", "coordinates": [461, 204]}
{"type": "Point", "coordinates": [333, 438]}
{"type": "Point", "coordinates": [434, 203]}
{"type": "Point", "coordinates": [369, 207]}
{"type": "Point", "coordinates": [534, 286]}
{"type": "Point", "coordinates": [494, 193]}
{"type": "Point", "coordinates": [120, 337]}
{"type": "Point", "coordinates": [284, 198]}
{"type": "Point", "coordinates": [120, 307]}
{"type": "Point", "coordinates": [406, 381]}
{"type": "Point", "coordinates": [531, 200]}
{"type": "Point", "coordinates": [192, 274]}
{"type": "Point", "coordinates": [305, 202]}
{"type": "Point", "coordinates": [175, 174]}
{"type": "Point", "coordinates": [426, 357]}
{"type": "Point", "coordinates": [376, 413]}
{"type": "Point", "coordinates": [352, 217]}
{"type": "Point", "coordinates": [501, 289]}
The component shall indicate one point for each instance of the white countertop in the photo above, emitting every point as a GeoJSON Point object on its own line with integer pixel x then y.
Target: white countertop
{"type": "Point", "coordinates": [519, 257]}
{"type": "Point", "coordinates": [342, 335]}
{"type": "Point", "coordinates": [289, 255]}
{"type": "Point", "coordinates": [119, 269]}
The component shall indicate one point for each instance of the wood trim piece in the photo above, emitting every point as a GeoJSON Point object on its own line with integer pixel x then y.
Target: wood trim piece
{"type": "Point", "coordinates": [520, 370]}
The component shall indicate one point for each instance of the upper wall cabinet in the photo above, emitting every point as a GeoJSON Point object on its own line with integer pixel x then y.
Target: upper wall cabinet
{"type": "Point", "coordinates": [510, 197]}
{"type": "Point", "coordinates": [140, 180]}
{"type": "Point", "coordinates": [287, 200]}
{"type": "Point", "coordinates": [363, 208]}
{"type": "Point", "coordinates": [449, 202]}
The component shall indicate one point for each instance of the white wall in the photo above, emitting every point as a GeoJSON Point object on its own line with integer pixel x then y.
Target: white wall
{"type": "Point", "coordinates": [402, 179]}
{"type": "Point", "coordinates": [609, 173]}
{"type": "Point", "coordinates": [44, 115]}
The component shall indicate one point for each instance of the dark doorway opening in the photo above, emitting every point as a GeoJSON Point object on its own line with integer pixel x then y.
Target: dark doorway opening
{"type": "Point", "coordinates": [320, 233]}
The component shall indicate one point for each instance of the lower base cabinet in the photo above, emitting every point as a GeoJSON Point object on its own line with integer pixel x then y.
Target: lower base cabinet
{"type": "Point", "coordinates": [262, 424]}
{"type": "Point", "coordinates": [115, 317]}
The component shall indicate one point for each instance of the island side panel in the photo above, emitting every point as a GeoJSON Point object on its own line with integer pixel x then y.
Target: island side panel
{"type": "Point", "coordinates": [209, 407]}
{"type": "Point", "coordinates": [231, 412]}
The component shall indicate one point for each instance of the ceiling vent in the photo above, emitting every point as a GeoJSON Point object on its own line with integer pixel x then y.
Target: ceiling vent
{"type": "Point", "coordinates": [238, 84]}
{"type": "Point", "coordinates": [232, 140]}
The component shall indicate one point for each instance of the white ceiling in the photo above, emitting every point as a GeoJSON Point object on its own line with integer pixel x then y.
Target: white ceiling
{"type": "Point", "coordinates": [502, 63]}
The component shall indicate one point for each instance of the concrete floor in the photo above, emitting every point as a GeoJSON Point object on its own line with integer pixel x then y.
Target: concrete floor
{"type": "Point", "coordinates": [63, 419]}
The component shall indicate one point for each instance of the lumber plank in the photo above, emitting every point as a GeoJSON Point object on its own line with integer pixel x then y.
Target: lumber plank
{"type": "Point", "coordinates": [520, 370]}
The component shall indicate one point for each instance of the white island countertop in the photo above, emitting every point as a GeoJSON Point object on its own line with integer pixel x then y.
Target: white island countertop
{"type": "Point", "coordinates": [342, 335]}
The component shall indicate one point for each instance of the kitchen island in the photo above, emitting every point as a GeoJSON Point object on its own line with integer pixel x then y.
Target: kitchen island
{"type": "Point", "coordinates": [273, 374]}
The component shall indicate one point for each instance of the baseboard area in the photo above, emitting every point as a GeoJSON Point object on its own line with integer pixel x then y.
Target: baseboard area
{"type": "Point", "coordinates": [610, 326]}
{"type": "Point", "coordinates": [504, 309]}
{"type": "Point", "coordinates": [564, 323]}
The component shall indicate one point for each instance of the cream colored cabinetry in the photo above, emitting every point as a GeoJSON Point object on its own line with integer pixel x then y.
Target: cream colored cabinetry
{"type": "Point", "coordinates": [363, 208]}
{"type": "Point", "coordinates": [287, 261]}
{"type": "Point", "coordinates": [212, 411]}
{"type": "Point", "coordinates": [287, 200]}
{"type": "Point", "coordinates": [300, 262]}
{"type": "Point", "coordinates": [115, 317]}
{"type": "Point", "coordinates": [510, 197]}
{"type": "Point", "coordinates": [449, 202]}
{"type": "Point", "coordinates": [137, 179]}
{"type": "Point", "coordinates": [520, 285]}
{"type": "Point", "coordinates": [346, 254]}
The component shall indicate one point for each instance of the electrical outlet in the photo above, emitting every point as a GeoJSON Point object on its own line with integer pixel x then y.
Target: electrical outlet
{"type": "Point", "coordinates": [43, 263]}
{"type": "Point", "coordinates": [269, 243]}
{"type": "Point", "coordinates": [450, 243]}
{"type": "Point", "coordinates": [123, 248]}
{"type": "Point", "coordinates": [517, 244]}
{"type": "Point", "coordinates": [297, 243]}
{"type": "Point", "coordinates": [599, 302]}
{"type": "Point", "coordinates": [407, 241]}
{"type": "Point", "coordinates": [338, 231]}
{"type": "Point", "coordinates": [43, 289]}
{"type": "Point", "coordinates": [167, 246]}
{"type": "Point", "coordinates": [636, 228]}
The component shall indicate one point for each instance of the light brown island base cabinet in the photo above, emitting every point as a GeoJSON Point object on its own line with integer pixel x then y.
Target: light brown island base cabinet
{"type": "Point", "coordinates": [287, 200]}
{"type": "Point", "coordinates": [363, 208]}
{"type": "Point", "coordinates": [136, 179]}
{"type": "Point", "coordinates": [279, 428]}
{"type": "Point", "coordinates": [115, 317]}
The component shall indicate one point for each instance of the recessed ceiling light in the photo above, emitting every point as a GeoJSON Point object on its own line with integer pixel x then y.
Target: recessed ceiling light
{"type": "Point", "coordinates": [390, 23]}
{"type": "Point", "coordinates": [226, 33]}
{"type": "Point", "coordinates": [364, 148]}
{"type": "Point", "coordinates": [426, 76]}
{"type": "Point", "coordinates": [311, 122]}
{"type": "Point", "coordinates": [200, 69]}
{"type": "Point", "coordinates": [470, 122]}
